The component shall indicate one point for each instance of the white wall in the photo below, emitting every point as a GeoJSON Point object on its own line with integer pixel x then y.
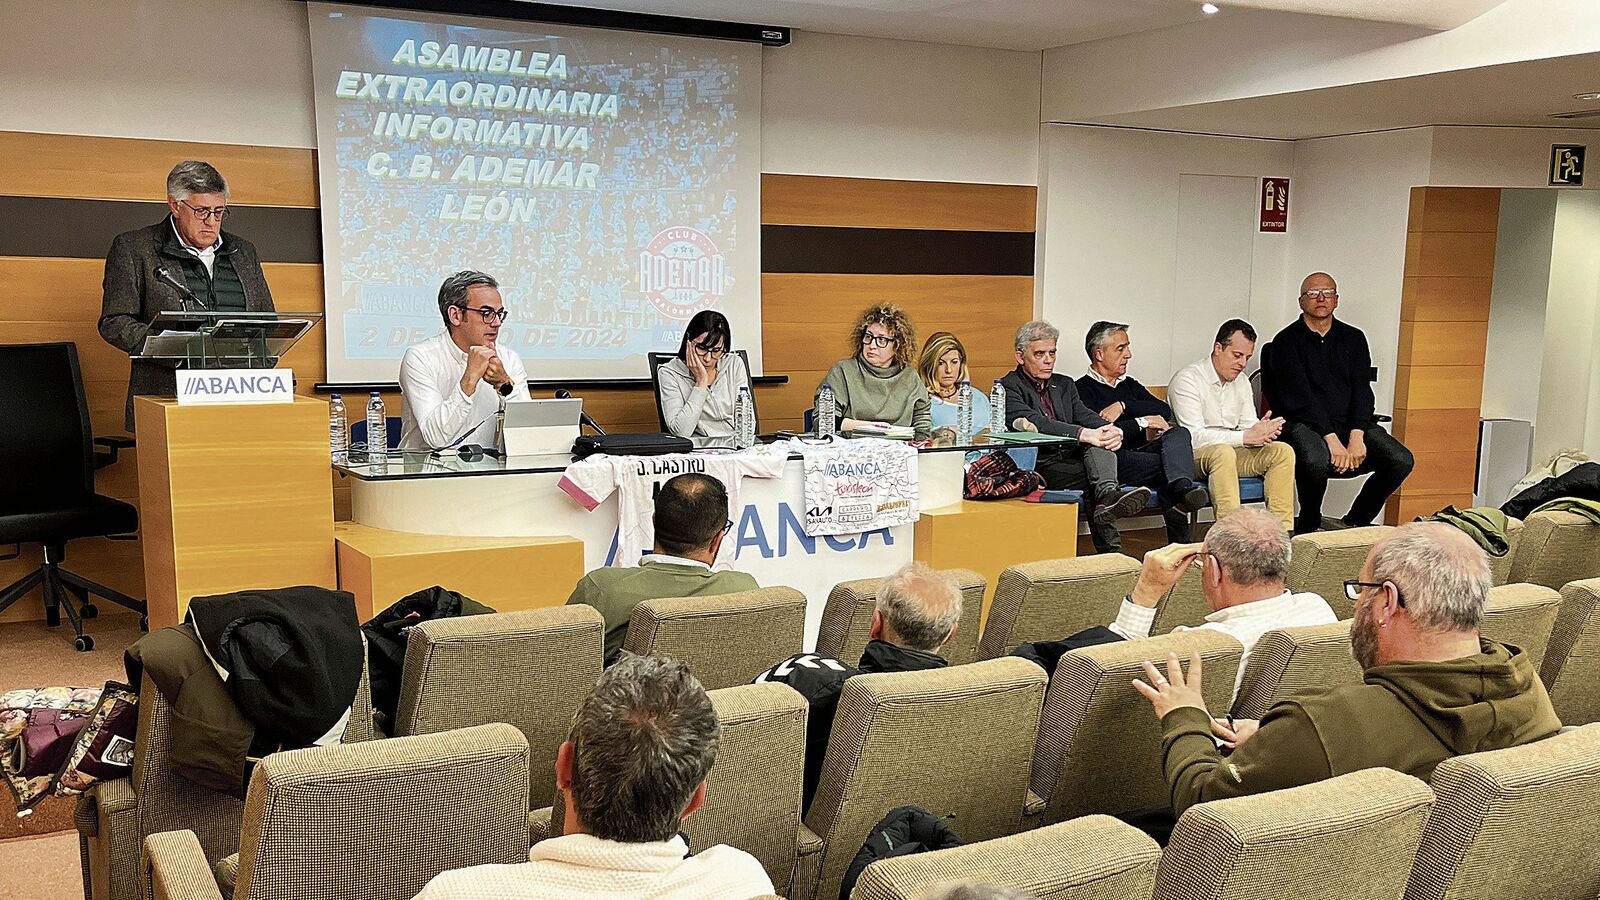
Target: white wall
{"type": "Point", "coordinates": [866, 107]}
{"type": "Point", "coordinates": [1110, 214]}
{"type": "Point", "coordinates": [1465, 156]}
{"type": "Point", "coordinates": [1511, 369]}
{"type": "Point", "coordinates": [831, 105]}
{"type": "Point", "coordinates": [1569, 394]}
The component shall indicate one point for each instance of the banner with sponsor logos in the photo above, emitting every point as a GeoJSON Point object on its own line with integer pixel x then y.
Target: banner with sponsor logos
{"type": "Point", "coordinates": [859, 485]}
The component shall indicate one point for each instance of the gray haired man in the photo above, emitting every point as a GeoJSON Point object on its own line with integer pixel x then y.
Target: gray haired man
{"type": "Point", "coordinates": [632, 769]}
{"type": "Point", "coordinates": [918, 610]}
{"type": "Point", "coordinates": [1433, 686]}
{"type": "Point", "coordinates": [218, 269]}
{"type": "Point", "coordinates": [1037, 399]}
{"type": "Point", "coordinates": [453, 383]}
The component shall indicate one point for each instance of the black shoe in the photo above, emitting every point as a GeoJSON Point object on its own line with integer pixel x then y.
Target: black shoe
{"type": "Point", "coordinates": [1110, 509]}
{"type": "Point", "coordinates": [1329, 523]}
{"type": "Point", "coordinates": [1194, 499]}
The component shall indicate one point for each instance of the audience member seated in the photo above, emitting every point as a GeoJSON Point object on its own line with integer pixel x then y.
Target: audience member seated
{"type": "Point", "coordinates": [691, 519]}
{"type": "Point", "coordinates": [943, 368]}
{"type": "Point", "coordinates": [1317, 376]}
{"type": "Point", "coordinates": [1433, 687]}
{"type": "Point", "coordinates": [1049, 403]}
{"type": "Point", "coordinates": [698, 389]}
{"type": "Point", "coordinates": [918, 609]}
{"type": "Point", "coordinates": [1243, 562]}
{"type": "Point", "coordinates": [1154, 452]}
{"type": "Point", "coordinates": [879, 386]}
{"type": "Point", "coordinates": [632, 769]}
{"type": "Point", "coordinates": [1230, 440]}
{"type": "Point", "coordinates": [452, 383]}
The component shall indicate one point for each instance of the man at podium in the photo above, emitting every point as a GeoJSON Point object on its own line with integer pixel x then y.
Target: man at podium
{"type": "Point", "coordinates": [453, 383]}
{"type": "Point", "coordinates": [184, 262]}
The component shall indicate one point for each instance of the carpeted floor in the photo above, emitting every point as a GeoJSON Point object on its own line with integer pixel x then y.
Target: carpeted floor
{"type": "Point", "coordinates": [51, 864]}
{"type": "Point", "coordinates": [32, 655]}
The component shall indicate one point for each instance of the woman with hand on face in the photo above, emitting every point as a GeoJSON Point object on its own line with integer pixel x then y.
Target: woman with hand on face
{"type": "Point", "coordinates": [943, 368]}
{"type": "Point", "coordinates": [698, 389]}
{"type": "Point", "coordinates": [878, 385]}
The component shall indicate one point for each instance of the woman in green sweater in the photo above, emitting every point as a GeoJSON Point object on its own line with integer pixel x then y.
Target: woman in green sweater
{"type": "Point", "coordinates": [879, 385]}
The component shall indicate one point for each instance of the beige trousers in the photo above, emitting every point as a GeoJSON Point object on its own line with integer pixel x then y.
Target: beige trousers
{"type": "Point", "coordinates": [1222, 466]}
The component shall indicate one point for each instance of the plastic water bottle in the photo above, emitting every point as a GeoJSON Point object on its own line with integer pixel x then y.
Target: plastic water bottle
{"type": "Point", "coordinates": [826, 418]}
{"type": "Point", "coordinates": [338, 429]}
{"type": "Point", "coordinates": [964, 413]}
{"type": "Point", "coordinates": [744, 419]}
{"type": "Point", "coordinates": [377, 429]}
{"type": "Point", "coordinates": [997, 408]}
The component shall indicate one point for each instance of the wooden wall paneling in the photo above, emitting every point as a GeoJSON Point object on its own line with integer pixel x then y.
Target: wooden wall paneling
{"type": "Point", "coordinates": [1433, 430]}
{"type": "Point", "coordinates": [101, 168]}
{"type": "Point", "coordinates": [1455, 209]}
{"type": "Point", "coordinates": [1407, 506]}
{"type": "Point", "coordinates": [1445, 299]}
{"type": "Point", "coordinates": [1438, 387]}
{"type": "Point", "coordinates": [1450, 253]}
{"type": "Point", "coordinates": [1443, 471]}
{"type": "Point", "coordinates": [1444, 343]}
{"type": "Point", "coordinates": [885, 203]}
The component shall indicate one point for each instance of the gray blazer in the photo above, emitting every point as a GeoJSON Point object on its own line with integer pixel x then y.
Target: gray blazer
{"type": "Point", "coordinates": [133, 296]}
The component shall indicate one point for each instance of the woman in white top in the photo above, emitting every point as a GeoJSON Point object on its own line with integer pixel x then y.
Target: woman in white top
{"type": "Point", "coordinates": [698, 389]}
{"type": "Point", "coordinates": [944, 367]}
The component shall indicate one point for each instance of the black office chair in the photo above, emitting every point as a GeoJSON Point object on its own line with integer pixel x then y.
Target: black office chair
{"type": "Point", "coordinates": [49, 455]}
{"type": "Point", "coordinates": [657, 360]}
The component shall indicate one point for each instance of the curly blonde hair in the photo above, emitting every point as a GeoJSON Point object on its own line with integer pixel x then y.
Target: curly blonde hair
{"type": "Point", "coordinates": [896, 322]}
{"type": "Point", "coordinates": [939, 343]}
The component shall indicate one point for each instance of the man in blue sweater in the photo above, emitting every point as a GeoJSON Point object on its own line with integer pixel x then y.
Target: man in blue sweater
{"type": "Point", "coordinates": [1155, 452]}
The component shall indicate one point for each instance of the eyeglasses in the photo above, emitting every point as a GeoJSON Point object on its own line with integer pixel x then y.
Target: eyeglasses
{"type": "Point", "coordinates": [713, 352]}
{"type": "Point", "coordinates": [489, 313]}
{"type": "Point", "coordinates": [1320, 294]}
{"type": "Point", "coordinates": [728, 527]}
{"type": "Point", "coordinates": [1352, 590]}
{"type": "Point", "coordinates": [876, 340]}
{"type": "Point", "coordinates": [206, 215]}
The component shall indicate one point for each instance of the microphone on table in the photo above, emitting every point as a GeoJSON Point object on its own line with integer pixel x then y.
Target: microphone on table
{"type": "Point", "coordinates": [185, 295]}
{"type": "Point", "coordinates": [583, 417]}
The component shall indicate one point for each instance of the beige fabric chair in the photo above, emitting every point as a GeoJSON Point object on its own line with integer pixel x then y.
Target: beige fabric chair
{"type": "Point", "coordinates": [847, 618]}
{"type": "Point", "coordinates": [1514, 823]}
{"type": "Point", "coordinates": [1350, 837]}
{"type": "Point", "coordinates": [114, 817]}
{"type": "Point", "coordinates": [1092, 858]}
{"type": "Point", "coordinates": [1049, 600]}
{"type": "Point", "coordinates": [1572, 661]}
{"type": "Point", "coordinates": [1185, 604]}
{"type": "Point", "coordinates": [1522, 615]}
{"type": "Point", "coordinates": [1323, 561]}
{"type": "Point", "coordinates": [725, 640]}
{"type": "Point", "coordinates": [529, 669]}
{"type": "Point", "coordinates": [1500, 566]}
{"type": "Point", "coordinates": [1099, 742]}
{"type": "Point", "coordinates": [1556, 548]}
{"type": "Point", "coordinates": [956, 741]}
{"type": "Point", "coordinates": [1293, 661]}
{"type": "Point", "coordinates": [753, 791]}
{"type": "Point", "coordinates": [373, 820]}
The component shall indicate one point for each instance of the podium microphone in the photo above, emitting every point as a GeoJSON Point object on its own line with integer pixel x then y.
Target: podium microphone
{"type": "Point", "coordinates": [185, 295]}
{"type": "Point", "coordinates": [583, 417]}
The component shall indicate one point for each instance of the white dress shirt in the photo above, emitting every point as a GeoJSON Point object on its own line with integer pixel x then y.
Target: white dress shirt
{"type": "Point", "coordinates": [1214, 411]}
{"type": "Point", "coordinates": [1245, 623]}
{"type": "Point", "coordinates": [435, 414]}
{"type": "Point", "coordinates": [207, 257]}
{"type": "Point", "coordinates": [584, 867]}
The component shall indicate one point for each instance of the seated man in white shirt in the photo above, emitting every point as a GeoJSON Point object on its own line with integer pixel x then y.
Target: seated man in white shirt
{"type": "Point", "coordinates": [633, 767]}
{"type": "Point", "coordinates": [454, 382]}
{"type": "Point", "coordinates": [1243, 562]}
{"type": "Point", "coordinates": [1211, 400]}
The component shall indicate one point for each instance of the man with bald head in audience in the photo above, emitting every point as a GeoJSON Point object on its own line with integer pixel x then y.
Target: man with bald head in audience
{"type": "Point", "coordinates": [1317, 375]}
{"type": "Point", "coordinates": [917, 611]}
{"type": "Point", "coordinates": [1433, 687]}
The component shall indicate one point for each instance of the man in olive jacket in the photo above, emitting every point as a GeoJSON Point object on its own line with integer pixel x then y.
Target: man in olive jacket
{"type": "Point", "coordinates": [220, 269]}
{"type": "Point", "coordinates": [1434, 688]}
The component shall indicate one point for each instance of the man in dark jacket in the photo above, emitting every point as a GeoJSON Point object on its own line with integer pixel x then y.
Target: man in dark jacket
{"type": "Point", "coordinates": [1049, 403]}
{"type": "Point", "coordinates": [1156, 451]}
{"type": "Point", "coordinates": [1434, 687]}
{"type": "Point", "coordinates": [221, 269]}
{"type": "Point", "coordinates": [1317, 376]}
{"type": "Point", "coordinates": [917, 612]}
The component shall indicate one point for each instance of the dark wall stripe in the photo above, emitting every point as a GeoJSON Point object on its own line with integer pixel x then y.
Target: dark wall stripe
{"type": "Point", "coordinates": [894, 251]}
{"type": "Point", "coordinates": [57, 226]}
